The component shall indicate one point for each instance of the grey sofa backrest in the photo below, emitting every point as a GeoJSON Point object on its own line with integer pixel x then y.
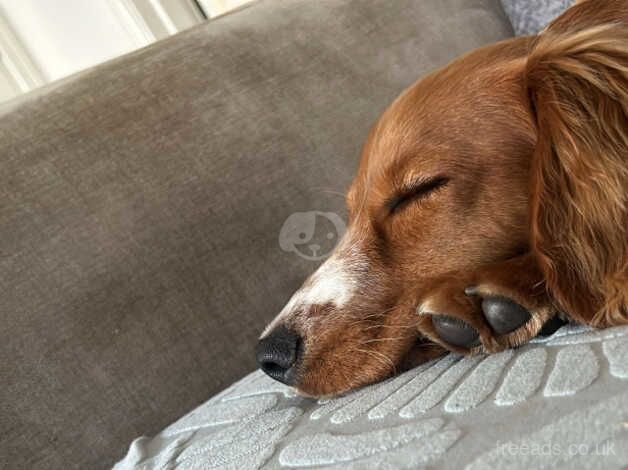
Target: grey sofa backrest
{"type": "Point", "coordinates": [141, 204]}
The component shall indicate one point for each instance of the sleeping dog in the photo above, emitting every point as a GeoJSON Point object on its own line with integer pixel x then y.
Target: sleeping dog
{"type": "Point", "coordinates": [491, 197]}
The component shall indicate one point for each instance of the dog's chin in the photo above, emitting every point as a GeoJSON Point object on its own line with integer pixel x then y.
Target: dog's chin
{"type": "Point", "coordinates": [322, 384]}
{"type": "Point", "coordinates": [324, 394]}
{"type": "Point", "coordinates": [303, 394]}
{"type": "Point", "coordinates": [314, 386]}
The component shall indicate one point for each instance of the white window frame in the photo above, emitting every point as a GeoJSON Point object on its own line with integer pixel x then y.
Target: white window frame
{"type": "Point", "coordinates": [16, 65]}
{"type": "Point", "coordinates": [145, 21]}
{"type": "Point", "coordinates": [150, 20]}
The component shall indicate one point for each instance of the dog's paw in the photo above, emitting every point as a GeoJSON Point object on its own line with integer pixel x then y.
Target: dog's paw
{"type": "Point", "coordinates": [503, 314]}
{"type": "Point", "coordinates": [495, 308]}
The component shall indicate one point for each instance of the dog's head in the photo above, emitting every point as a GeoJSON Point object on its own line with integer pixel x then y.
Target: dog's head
{"type": "Point", "coordinates": [443, 186]}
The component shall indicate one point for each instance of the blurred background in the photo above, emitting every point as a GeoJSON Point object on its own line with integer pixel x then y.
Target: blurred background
{"type": "Point", "coordinates": [45, 40]}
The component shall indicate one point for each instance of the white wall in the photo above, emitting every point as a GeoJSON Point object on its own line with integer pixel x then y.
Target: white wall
{"type": "Point", "coordinates": [8, 88]}
{"type": "Point", "coordinates": [65, 36]}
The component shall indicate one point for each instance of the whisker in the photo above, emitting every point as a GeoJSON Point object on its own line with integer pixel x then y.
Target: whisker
{"type": "Point", "coordinates": [408, 326]}
{"type": "Point", "coordinates": [328, 191]}
{"type": "Point", "coordinates": [375, 340]}
{"type": "Point", "coordinates": [387, 359]}
{"type": "Point", "coordinates": [382, 358]}
{"type": "Point", "coordinates": [350, 382]}
{"type": "Point", "coordinates": [369, 316]}
{"type": "Point", "coordinates": [370, 353]}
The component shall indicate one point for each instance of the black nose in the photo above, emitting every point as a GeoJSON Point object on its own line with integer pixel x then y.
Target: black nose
{"type": "Point", "coordinates": [278, 353]}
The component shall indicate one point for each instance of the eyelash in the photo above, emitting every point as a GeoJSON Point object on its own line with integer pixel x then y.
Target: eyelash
{"type": "Point", "coordinates": [419, 190]}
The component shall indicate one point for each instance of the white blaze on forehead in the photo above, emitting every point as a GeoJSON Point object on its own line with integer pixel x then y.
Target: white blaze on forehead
{"type": "Point", "coordinates": [331, 283]}
{"type": "Point", "coordinates": [334, 282]}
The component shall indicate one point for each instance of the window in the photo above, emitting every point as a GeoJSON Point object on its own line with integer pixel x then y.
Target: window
{"type": "Point", "coordinates": [45, 40]}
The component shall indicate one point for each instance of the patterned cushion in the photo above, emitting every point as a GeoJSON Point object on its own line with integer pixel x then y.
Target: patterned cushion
{"type": "Point", "coordinates": [559, 402]}
{"type": "Point", "coordinates": [531, 16]}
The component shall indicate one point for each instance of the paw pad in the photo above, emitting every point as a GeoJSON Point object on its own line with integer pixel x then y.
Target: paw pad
{"type": "Point", "coordinates": [455, 331]}
{"type": "Point", "coordinates": [503, 314]}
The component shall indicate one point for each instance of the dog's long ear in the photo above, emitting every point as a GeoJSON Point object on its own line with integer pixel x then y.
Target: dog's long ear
{"type": "Point", "coordinates": [577, 81]}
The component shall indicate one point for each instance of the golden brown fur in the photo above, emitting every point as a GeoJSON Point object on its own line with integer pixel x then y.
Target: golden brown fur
{"type": "Point", "coordinates": [578, 84]}
{"type": "Point", "coordinates": [527, 143]}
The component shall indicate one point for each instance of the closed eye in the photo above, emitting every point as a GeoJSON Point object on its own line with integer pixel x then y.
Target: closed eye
{"type": "Point", "coordinates": [418, 189]}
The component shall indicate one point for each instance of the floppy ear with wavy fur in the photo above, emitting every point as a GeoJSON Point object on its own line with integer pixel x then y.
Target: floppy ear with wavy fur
{"type": "Point", "coordinates": [577, 81]}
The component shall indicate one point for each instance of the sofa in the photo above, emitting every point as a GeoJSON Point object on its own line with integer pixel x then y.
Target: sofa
{"type": "Point", "coordinates": [142, 251]}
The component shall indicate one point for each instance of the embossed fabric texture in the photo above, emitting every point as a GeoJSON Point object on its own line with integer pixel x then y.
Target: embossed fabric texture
{"type": "Point", "coordinates": [141, 203]}
{"type": "Point", "coordinates": [560, 402]}
{"type": "Point", "coordinates": [531, 16]}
